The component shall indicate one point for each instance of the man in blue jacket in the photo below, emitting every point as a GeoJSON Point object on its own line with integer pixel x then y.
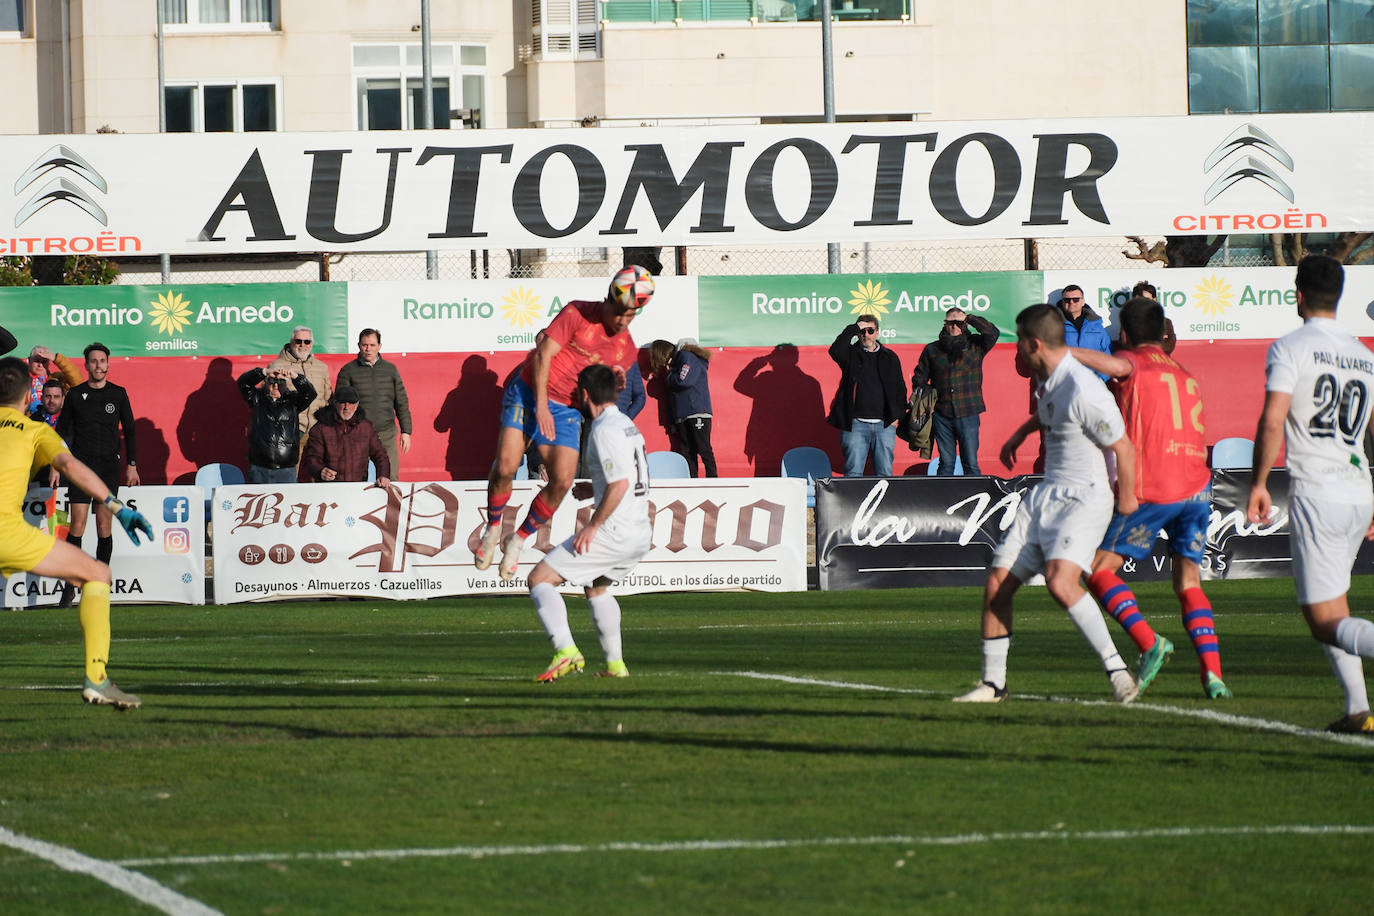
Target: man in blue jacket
{"type": "Point", "coordinates": [1082, 326]}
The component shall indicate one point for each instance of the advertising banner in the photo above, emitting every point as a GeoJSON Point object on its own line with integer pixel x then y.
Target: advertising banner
{"type": "Point", "coordinates": [809, 310]}
{"type": "Point", "coordinates": [1223, 303]}
{"type": "Point", "coordinates": [122, 194]}
{"type": "Point", "coordinates": [914, 532]}
{"type": "Point", "coordinates": [432, 316]}
{"type": "Point", "coordinates": [415, 540]}
{"type": "Point", "coordinates": [212, 319]}
{"type": "Point", "coordinates": [168, 570]}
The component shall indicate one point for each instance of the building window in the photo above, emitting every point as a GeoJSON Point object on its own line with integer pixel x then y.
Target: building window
{"type": "Point", "coordinates": [12, 16]}
{"type": "Point", "coordinates": [222, 107]}
{"type": "Point", "coordinates": [220, 14]}
{"type": "Point", "coordinates": [389, 85]}
{"type": "Point", "coordinates": [1280, 55]}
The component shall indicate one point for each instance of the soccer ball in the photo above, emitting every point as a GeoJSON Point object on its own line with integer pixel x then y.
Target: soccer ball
{"type": "Point", "coordinates": [632, 287]}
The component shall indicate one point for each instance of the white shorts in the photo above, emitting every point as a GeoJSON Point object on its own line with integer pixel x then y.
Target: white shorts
{"type": "Point", "coordinates": [1055, 523]}
{"type": "Point", "coordinates": [1324, 537]}
{"type": "Point", "coordinates": [613, 555]}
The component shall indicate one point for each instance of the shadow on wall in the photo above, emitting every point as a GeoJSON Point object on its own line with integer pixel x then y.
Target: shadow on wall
{"type": "Point", "coordinates": [470, 415]}
{"type": "Point", "coordinates": [214, 425]}
{"type": "Point", "coordinates": [152, 452]}
{"type": "Point", "coordinates": [788, 410]}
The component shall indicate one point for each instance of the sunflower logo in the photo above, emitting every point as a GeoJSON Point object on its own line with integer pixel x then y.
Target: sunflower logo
{"type": "Point", "coordinates": [521, 307]}
{"type": "Point", "coordinates": [1213, 296]}
{"type": "Point", "coordinates": [171, 313]}
{"type": "Point", "coordinates": [869, 297]}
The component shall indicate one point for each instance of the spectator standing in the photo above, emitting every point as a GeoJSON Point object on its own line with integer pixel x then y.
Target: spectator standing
{"type": "Point", "coordinates": [611, 543]}
{"type": "Point", "coordinates": [297, 357]}
{"type": "Point", "coordinates": [274, 445]}
{"type": "Point", "coordinates": [381, 392]}
{"type": "Point", "coordinates": [342, 442]}
{"type": "Point", "coordinates": [1315, 401]}
{"type": "Point", "coordinates": [49, 407]}
{"type": "Point", "coordinates": [1146, 290]}
{"type": "Point", "coordinates": [43, 365]}
{"type": "Point", "coordinates": [25, 443]}
{"type": "Point", "coordinates": [953, 366]}
{"type": "Point", "coordinates": [94, 414]}
{"type": "Point", "coordinates": [631, 399]}
{"type": "Point", "coordinates": [1082, 326]}
{"type": "Point", "coordinates": [686, 376]}
{"type": "Point", "coordinates": [870, 400]}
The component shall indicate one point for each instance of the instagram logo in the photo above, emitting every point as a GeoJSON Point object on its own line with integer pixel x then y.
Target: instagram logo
{"type": "Point", "coordinates": [176, 540]}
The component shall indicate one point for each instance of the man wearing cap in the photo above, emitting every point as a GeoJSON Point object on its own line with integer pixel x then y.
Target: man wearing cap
{"type": "Point", "coordinates": [538, 406]}
{"type": "Point", "coordinates": [274, 445]}
{"type": "Point", "coordinates": [342, 442]}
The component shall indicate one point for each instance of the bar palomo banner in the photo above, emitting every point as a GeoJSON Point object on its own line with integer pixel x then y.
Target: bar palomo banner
{"type": "Point", "coordinates": [120, 195]}
{"type": "Point", "coordinates": [415, 540]}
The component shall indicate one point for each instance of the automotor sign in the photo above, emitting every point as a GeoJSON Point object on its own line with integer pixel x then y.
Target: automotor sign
{"type": "Point", "coordinates": [433, 316]}
{"type": "Point", "coordinates": [809, 310]}
{"type": "Point", "coordinates": [389, 191]}
{"type": "Point", "coordinates": [215, 319]}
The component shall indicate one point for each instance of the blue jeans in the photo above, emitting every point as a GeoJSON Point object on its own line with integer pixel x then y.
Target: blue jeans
{"type": "Point", "coordinates": [960, 431]}
{"type": "Point", "coordinates": [259, 474]}
{"type": "Point", "coordinates": [863, 438]}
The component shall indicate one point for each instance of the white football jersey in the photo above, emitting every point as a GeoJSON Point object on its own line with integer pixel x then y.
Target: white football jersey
{"type": "Point", "coordinates": [615, 451]}
{"type": "Point", "coordinates": [1330, 376]}
{"type": "Point", "coordinates": [1078, 418]}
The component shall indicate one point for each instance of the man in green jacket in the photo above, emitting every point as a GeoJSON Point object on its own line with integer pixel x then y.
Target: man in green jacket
{"type": "Point", "coordinates": [382, 393]}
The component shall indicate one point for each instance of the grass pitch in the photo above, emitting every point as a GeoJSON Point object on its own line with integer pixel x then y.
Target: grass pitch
{"type": "Point", "coordinates": [770, 753]}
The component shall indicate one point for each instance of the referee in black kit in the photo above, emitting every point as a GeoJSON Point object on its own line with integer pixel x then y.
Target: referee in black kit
{"type": "Point", "coordinates": [91, 420]}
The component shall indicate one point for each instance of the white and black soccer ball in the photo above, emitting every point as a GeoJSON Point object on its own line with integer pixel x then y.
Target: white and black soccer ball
{"type": "Point", "coordinates": [632, 287]}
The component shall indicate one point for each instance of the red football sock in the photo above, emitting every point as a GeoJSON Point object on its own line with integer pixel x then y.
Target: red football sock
{"type": "Point", "coordinates": [1119, 601]}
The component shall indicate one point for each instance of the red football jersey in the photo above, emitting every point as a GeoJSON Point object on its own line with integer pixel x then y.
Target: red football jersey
{"type": "Point", "coordinates": [1162, 405]}
{"type": "Point", "coordinates": [583, 342]}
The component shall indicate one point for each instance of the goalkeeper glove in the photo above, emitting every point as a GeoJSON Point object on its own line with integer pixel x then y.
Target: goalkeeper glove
{"type": "Point", "coordinates": [130, 520]}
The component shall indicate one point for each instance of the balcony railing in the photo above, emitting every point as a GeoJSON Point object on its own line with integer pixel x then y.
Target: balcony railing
{"type": "Point", "coordinates": [654, 11]}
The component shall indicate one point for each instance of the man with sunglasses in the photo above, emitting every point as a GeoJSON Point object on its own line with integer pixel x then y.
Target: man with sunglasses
{"type": "Point", "coordinates": [953, 366]}
{"type": "Point", "coordinates": [1082, 326]}
{"type": "Point", "coordinates": [870, 400]}
{"type": "Point", "coordinates": [297, 358]}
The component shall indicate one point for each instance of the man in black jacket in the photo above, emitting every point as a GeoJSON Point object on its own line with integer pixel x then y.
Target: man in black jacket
{"type": "Point", "coordinates": [870, 400]}
{"type": "Point", "coordinates": [273, 441]}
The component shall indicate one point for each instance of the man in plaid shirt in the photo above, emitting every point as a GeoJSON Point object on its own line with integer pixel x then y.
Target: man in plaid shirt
{"type": "Point", "coordinates": [953, 366]}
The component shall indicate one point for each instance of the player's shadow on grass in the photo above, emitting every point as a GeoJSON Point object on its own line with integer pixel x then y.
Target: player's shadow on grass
{"type": "Point", "coordinates": [470, 414]}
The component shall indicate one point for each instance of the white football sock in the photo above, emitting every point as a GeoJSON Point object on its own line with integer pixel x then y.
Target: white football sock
{"type": "Point", "coordinates": [995, 660]}
{"type": "Point", "coordinates": [1356, 636]}
{"type": "Point", "coordinates": [606, 618]}
{"type": "Point", "coordinates": [1349, 673]}
{"type": "Point", "coordinates": [553, 614]}
{"type": "Point", "coordinates": [1088, 618]}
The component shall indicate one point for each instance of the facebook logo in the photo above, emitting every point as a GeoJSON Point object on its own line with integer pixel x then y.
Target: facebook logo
{"type": "Point", "coordinates": [176, 509]}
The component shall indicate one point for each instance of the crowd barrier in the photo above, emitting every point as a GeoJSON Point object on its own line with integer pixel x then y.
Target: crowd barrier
{"type": "Point", "coordinates": [415, 540]}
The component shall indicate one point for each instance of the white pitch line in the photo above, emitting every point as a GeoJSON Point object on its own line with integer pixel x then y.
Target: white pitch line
{"type": "Point", "coordinates": [140, 887]}
{"type": "Point", "coordinates": [960, 839]}
{"type": "Point", "coordinates": [1223, 718]}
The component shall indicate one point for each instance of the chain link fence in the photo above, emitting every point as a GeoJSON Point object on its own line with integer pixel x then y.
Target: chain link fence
{"type": "Point", "coordinates": [864, 258]}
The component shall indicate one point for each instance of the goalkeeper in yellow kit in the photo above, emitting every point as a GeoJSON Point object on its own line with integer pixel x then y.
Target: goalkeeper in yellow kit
{"type": "Point", "coordinates": [25, 446]}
